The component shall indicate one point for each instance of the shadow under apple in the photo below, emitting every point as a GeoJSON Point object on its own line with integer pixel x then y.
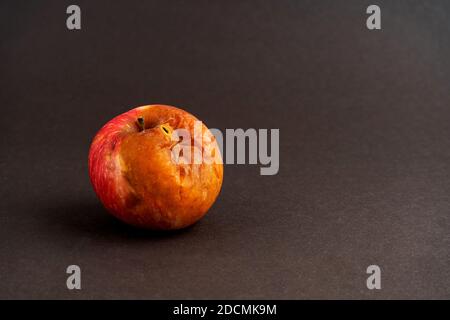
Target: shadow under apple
{"type": "Point", "coordinates": [90, 218]}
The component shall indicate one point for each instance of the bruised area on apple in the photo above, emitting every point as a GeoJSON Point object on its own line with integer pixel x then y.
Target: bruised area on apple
{"type": "Point", "coordinates": [134, 176]}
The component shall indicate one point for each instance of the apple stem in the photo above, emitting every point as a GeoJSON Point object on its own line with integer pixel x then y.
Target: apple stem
{"type": "Point", "coordinates": [141, 123]}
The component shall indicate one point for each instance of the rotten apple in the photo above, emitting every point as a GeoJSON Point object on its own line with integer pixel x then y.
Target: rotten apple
{"type": "Point", "coordinates": [133, 172]}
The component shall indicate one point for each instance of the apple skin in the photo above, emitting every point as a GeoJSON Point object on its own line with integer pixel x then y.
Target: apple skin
{"type": "Point", "coordinates": [135, 178]}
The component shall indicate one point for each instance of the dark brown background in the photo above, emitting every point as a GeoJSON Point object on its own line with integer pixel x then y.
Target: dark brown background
{"type": "Point", "coordinates": [364, 118]}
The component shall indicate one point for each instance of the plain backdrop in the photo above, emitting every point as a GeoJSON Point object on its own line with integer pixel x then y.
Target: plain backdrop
{"type": "Point", "coordinates": [364, 125]}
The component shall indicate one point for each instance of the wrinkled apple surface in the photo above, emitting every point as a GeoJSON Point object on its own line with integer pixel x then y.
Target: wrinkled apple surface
{"type": "Point", "coordinates": [135, 177]}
